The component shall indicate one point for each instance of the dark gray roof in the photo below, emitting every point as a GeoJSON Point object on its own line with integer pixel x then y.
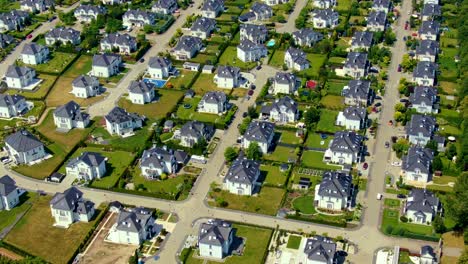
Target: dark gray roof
{"type": "Point", "coordinates": [120, 115]}
{"type": "Point", "coordinates": [92, 159]}
{"type": "Point", "coordinates": [155, 156]}
{"type": "Point", "coordinates": [63, 33]}
{"type": "Point", "coordinates": [247, 45]}
{"type": "Point", "coordinates": [71, 110]}
{"type": "Point", "coordinates": [427, 250]}
{"type": "Point", "coordinates": [298, 56]}
{"type": "Point", "coordinates": [425, 94]}
{"type": "Point", "coordinates": [422, 201]}
{"type": "Point", "coordinates": [320, 249]}
{"type": "Point", "coordinates": [357, 89]}
{"type": "Point", "coordinates": [203, 24]}
{"type": "Point", "coordinates": [325, 14]}
{"type": "Point", "coordinates": [17, 71]}
{"type": "Point", "coordinates": [261, 8]}
{"type": "Point", "coordinates": [356, 60]}
{"type": "Point", "coordinates": [427, 47]}
{"type": "Point", "coordinates": [138, 14]}
{"type": "Point", "coordinates": [68, 200]}
{"type": "Point", "coordinates": [83, 81]}
{"type": "Point", "coordinates": [105, 60]}
{"type": "Point", "coordinates": [214, 97]}
{"type": "Point", "coordinates": [140, 87]}
{"type": "Point", "coordinates": [381, 3]}
{"type": "Point", "coordinates": [243, 171]}
{"type": "Point", "coordinates": [376, 18]}
{"type": "Point", "coordinates": [32, 48]}
{"type": "Point", "coordinates": [423, 124]}
{"type": "Point", "coordinates": [165, 4]}
{"type": "Point", "coordinates": [8, 100]}
{"type": "Point", "coordinates": [6, 40]}
{"type": "Point", "coordinates": [196, 129]}
{"type": "Point", "coordinates": [429, 27]}
{"type": "Point", "coordinates": [285, 78]}
{"type": "Point", "coordinates": [425, 69]}
{"type": "Point", "coordinates": [335, 184]}
{"type": "Point", "coordinates": [418, 158]}
{"type": "Point", "coordinates": [214, 232]}
{"type": "Point", "coordinates": [91, 8]}
{"type": "Point", "coordinates": [347, 142]}
{"type": "Point", "coordinates": [259, 131]}
{"type": "Point", "coordinates": [23, 141]}
{"type": "Point", "coordinates": [283, 105]}
{"type": "Point", "coordinates": [159, 62]}
{"type": "Point", "coordinates": [255, 31]}
{"type": "Point", "coordinates": [14, 15]}
{"type": "Point", "coordinates": [362, 39]}
{"type": "Point", "coordinates": [431, 10]}
{"type": "Point", "coordinates": [119, 39]}
{"type": "Point", "coordinates": [306, 34]}
{"type": "Point", "coordinates": [228, 71]}
{"type": "Point", "coordinates": [134, 220]}
{"type": "Point", "coordinates": [7, 185]}
{"type": "Point", "coordinates": [187, 43]}
{"type": "Point", "coordinates": [355, 113]}
{"type": "Point", "coordinates": [212, 5]}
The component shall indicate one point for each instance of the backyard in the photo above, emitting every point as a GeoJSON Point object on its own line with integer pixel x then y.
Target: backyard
{"type": "Point", "coordinates": [9, 217]}
{"type": "Point", "coordinates": [332, 102]}
{"type": "Point", "coordinates": [314, 140]}
{"type": "Point", "coordinates": [391, 224]}
{"type": "Point", "coordinates": [282, 154]}
{"type": "Point", "coordinates": [82, 65]}
{"type": "Point", "coordinates": [166, 102]}
{"type": "Point", "coordinates": [204, 84]}
{"type": "Point", "coordinates": [170, 185]}
{"type": "Point", "coordinates": [47, 167]}
{"type": "Point", "coordinates": [40, 91]}
{"type": "Point", "coordinates": [61, 94]}
{"type": "Point", "coordinates": [181, 81]}
{"type": "Point", "coordinates": [294, 242]}
{"type": "Point", "coordinates": [131, 144]}
{"type": "Point", "coordinates": [57, 62]}
{"type": "Point", "coordinates": [316, 62]}
{"type": "Point", "coordinates": [289, 137]}
{"type": "Point", "coordinates": [327, 122]}
{"type": "Point", "coordinates": [272, 175]}
{"type": "Point", "coordinates": [229, 57]}
{"type": "Point", "coordinates": [314, 159]}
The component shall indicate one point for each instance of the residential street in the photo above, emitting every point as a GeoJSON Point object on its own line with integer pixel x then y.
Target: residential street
{"type": "Point", "coordinates": [290, 26]}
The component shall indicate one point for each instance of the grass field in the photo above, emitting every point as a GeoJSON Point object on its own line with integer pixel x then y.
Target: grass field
{"type": "Point", "coordinates": [332, 102]}
{"type": "Point", "coordinates": [315, 141]}
{"type": "Point", "coordinates": [130, 144]}
{"type": "Point", "coordinates": [304, 204]}
{"type": "Point", "coordinates": [289, 137]}
{"type": "Point", "coordinates": [204, 83]}
{"type": "Point", "coordinates": [183, 79]}
{"type": "Point", "coordinates": [9, 217]}
{"type": "Point", "coordinates": [392, 203]}
{"type": "Point", "coordinates": [327, 121]}
{"type": "Point", "coordinates": [316, 62]}
{"type": "Point", "coordinates": [391, 218]}
{"type": "Point", "coordinates": [61, 94]}
{"type": "Point", "coordinates": [46, 167]}
{"type": "Point", "coordinates": [167, 100]}
{"type": "Point", "coordinates": [167, 186]}
{"type": "Point", "coordinates": [40, 91]}
{"type": "Point", "coordinates": [294, 242]}
{"type": "Point", "coordinates": [57, 62]}
{"type": "Point", "coordinates": [449, 87]}
{"type": "Point", "coordinates": [192, 114]}
{"type": "Point", "coordinates": [277, 60]}
{"type": "Point", "coordinates": [273, 175]}
{"type": "Point", "coordinates": [314, 159]}
{"type": "Point", "coordinates": [82, 65]}
{"type": "Point", "coordinates": [229, 57]}
{"type": "Point", "coordinates": [281, 153]}
{"type": "Point", "coordinates": [335, 87]}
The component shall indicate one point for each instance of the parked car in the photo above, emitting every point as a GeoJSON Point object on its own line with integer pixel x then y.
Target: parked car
{"type": "Point", "coordinates": [244, 115]}
{"type": "Point", "coordinates": [250, 92]}
{"type": "Point", "coordinates": [365, 166]}
{"type": "Point", "coordinates": [399, 68]}
{"type": "Point", "coordinates": [258, 67]}
{"type": "Point", "coordinates": [387, 144]}
{"type": "Point", "coordinates": [5, 160]}
{"type": "Point", "coordinates": [404, 100]}
{"type": "Point", "coordinates": [378, 104]}
{"type": "Point", "coordinates": [29, 36]}
{"type": "Point", "coordinates": [142, 60]}
{"type": "Point", "coordinates": [252, 86]}
{"type": "Point", "coordinates": [379, 196]}
{"type": "Point", "coordinates": [401, 196]}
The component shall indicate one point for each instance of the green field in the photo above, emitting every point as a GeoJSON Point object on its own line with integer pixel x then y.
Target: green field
{"type": "Point", "coordinates": [281, 154]}
{"type": "Point", "coordinates": [182, 80]}
{"type": "Point", "coordinates": [327, 121]}
{"type": "Point", "coordinates": [170, 185]}
{"type": "Point", "coordinates": [294, 242]}
{"type": "Point", "coordinates": [47, 167]}
{"type": "Point", "coordinates": [166, 102]}
{"type": "Point", "coordinates": [304, 204]}
{"type": "Point", "coordinates": [316, 62]}
{"type": "Point", "coordinates": [9, 217]}
{"type": "Point", "coordinates": [40, 91]}
{"type": "Point", "coordinates": [273, 175]}
{"type": "Point", "coordinates": [229, 57]}
{"type": "Point", "coordinates": [315, 141]}
{"type": "Point", "coordinates": [82, 65]}
{"type": "Point", "coordinates": [314, 159]}
{"type": "Point", "coordinates": [289, 137]}
{"type": "Point", "coordinates": [57, 62]}
{"type": "Point", "coordinates": [277, 60]}
{"type": "Point", "coordinates": [391, 218]}
{"type": "Point", "coordinates": [130, 144]}
{"type": "Point", "coordinates": [332, 102]}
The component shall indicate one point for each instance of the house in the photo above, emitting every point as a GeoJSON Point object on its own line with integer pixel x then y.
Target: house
{"type": "Point", "coordinates": [425, 73]}
{"type": "Point", "coordinates": [6, 40]}
{"type": "Point", "coordinates": [261, 11]}
{"type": "Point", "coordinates": [242, 176]}
{"type": "Point", "coordinates": [261, 132]}
{"type": "Point", "coordinates": [36, 6]}
{"type": "Point", "coordinates": [306, 37]}
{"type": "Point", "coordinates": [34, 54]}
{"type": "Point", "coordinates": [191, 66]}
{"type": "Point", "coordinates": [165, 7]}
{"type": "Point", "coordinates": [157, 161]}
{"type": "Point", "coordinates": [13, 20]}
{"type": "Point", "coordinates": [424, 99]}
{"type": "Point", "coordinates": [249, 51]}
{"type": "Point", "coordinates": [69, 116]}
{"type": "Point", "coordinates": [19, 77]}
{"type": "Point", "coordinates": [345, 148]}
{"type": "Point", "coordinates": [62, 35]}
{"type": "Point", "coordinates": [141, 92]}
{"type": "Point", "coordinates": [120, 122]}
{"type": "Point", "coordinates": [434, 2]}
{"type": "Point", "coordinates": [334, 193]}
{"type": "Point", "coordinates": [138, 18]}
{"type": "Point", "coordinates": [159, 67]}
{"type": "Point", "coordinates": [382, 5]}
{"type": "Point", "coordinates": [106, 65]}
{"type": "Point", "coordinates": [376, 21]}
{"type": "Point", "coordinates": [227, 77]}
{"type": "Point", "coordinates": [114, 2]}
{"type": "Point", "coordinates": [283, 110]}
{"type": "Point", "coordinates": [133, 226]}
{"type": "Point", "coordinates": [430, 12]}
{"type": "Point", "coordinates": [275, 2]}
{"type": "Point", "coordinates": [212, 8]}
{"type": "Point", "coordinates": [319, 250]}
{"type": "Point", "coordinates": [187, 47]}
{"type": "Point", "coordinates": [168, 126]}
{"type": "Point", "coordinates": [85, 86]}
{"type": "Point", "coordinates": [88, 13]}
{"type": "Point", "coordinates": [352, 118]}
{"type": "Point", "coordinates": [9, 193]}
{"type": "Point", "coordinates": [324, 4]}
{"type": "Point", "coordinates": [123, 43]}
{"type": "Point", "coordinates": [215, 238]}
{"type": "Point", "coordinates": [87, 167]}
{"type": "Point", "coordinates": [427, 50]}
{"type": "Point", "coordinates": [24, 148]}
{"type": "Point", "coordinates": [296, 59]}
{"type": "Point", "coordinates": [420, 129]}
{"type": "Point", "coordinates": [356, 65]}
{"type": "Point", "coordinates": [362, 40]}
{"type": "Point", "coordinates": [203, 27]}
{"type": "Point", "coordinates": [429, 30]}
{"type": "Point", "coordinates": [213, 103]}
{"type": "Point", "coordinates": [325, 18]}
{"type": "Point", "coordinates": [256, 33]}
{"type": "Point", "coordinates": [194, 132]}
{"type": "Point", "coordinates": [69, 207]}
{"type": "Point", "coordinates": [422, 206]}
{"type": "Point", "coordinates": [416, 165]}
{"type": "Point", "coordinates": [285, 83]}
{"type": "Point", "coordinates": [13, 105]}
{"type": "Point", "coordinates": [427, 255]}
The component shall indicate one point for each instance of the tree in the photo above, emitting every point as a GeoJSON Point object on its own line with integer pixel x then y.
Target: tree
{"type": "Point", "coordinates": [311, 116]}
{"type": "Point", "coordinates": [113, 25]}
{"type": "Point", "coordinates": [451, 151]}
{"type": "Point", "coordinates": [253, 151]}
{"type": "Point", "coordinates": [432, 144]}
{"type": "Point", "coordinates": [230, 154]}
{"type": "Point", "coordinates": [463, 259]}
{"type": "Point", "coordinates": [252, 112]}
{"type": "Point", "coordinates": [408, 64]}
{"type": "Point", "coordinates": [244, 125]}
{"type": "Point", "coordinates": [401, 147]}
{"type": "Point", "coordinates": [437, 164]}
{"type": "Point", "coordinates": [439, 225]}
{"type": "Point", "coordinates": [457, 201]}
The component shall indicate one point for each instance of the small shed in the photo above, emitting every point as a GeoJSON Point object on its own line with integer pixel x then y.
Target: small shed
{"type": "Point", "coordinates": [304, 183]}
{"type": "Point", "coordinates": [191, 66]}
{"type": "Point", "coordinates": [208, 69]}
{"type": "Point", "coordinates": [189, 93]}
{"type": "Point", "coordinates": [168, 125]}
{"type": "Point", "coordinates": [57, 177]}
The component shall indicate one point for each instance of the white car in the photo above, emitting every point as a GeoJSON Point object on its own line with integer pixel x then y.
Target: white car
{"type": "Point", "coordinates": [396, 164]}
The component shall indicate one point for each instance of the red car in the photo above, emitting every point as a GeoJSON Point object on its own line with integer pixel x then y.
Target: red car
{"type": "Point", "coordinates": [250, 92]}
{"type": "Point", "coordinates": [29, 36]}
{"type": "Point", "coordinates": [399, 68]}
{"type": "Point", "coordinates": [365, 166]}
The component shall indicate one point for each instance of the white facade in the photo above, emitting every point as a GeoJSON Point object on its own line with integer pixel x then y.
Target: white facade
{"type": "Point", "coordinates": [26, 157]}
{"type": "Point", "coordinates": [88, 90]}
{"type": "Point", "coordinates": [14, 110]}
{"type": "Point", "coordinates": [37, 58]}
{"type": "Point", "coordinates": [251, 54]}
{"type": "Point", "coordinates": [83, 171]}
{"type": "Point", "coordinates": [424, 81]}
{"type": "Point", "coordinates": [329, 202]}
{"type": "Point", "coordinates": [284, 88]}
{"type": "Point", "coordinates": [226, 82]}
{"type": "Point", "coordinates": [329, 22]}
{"type": "Point", "coordinates": [21, 81]}
{"type": "Point", "coordinates": [349, 124]}
{"type": "Point", "coordinates": [108, 70]}
{"type": "Point", "coordinates": [324, 3]}
{"type": "Point", "coordinates": [64, 218]}
{"type": "Point", "coordinates": [141, 98]}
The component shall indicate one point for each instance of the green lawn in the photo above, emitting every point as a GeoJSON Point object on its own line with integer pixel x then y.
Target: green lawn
{"type": "Point", "coordinates": [9, 217]}
{"type": "Point", "coordinates": [296, 177]}
{"type": "Point", "coordinates": [40, 91]}
{"type": "Point", "coordinates": [229, 57]}
{"type": "Point", "coordinates": [167, 100]}
{"type": "Point", "coordinates": [294, 242]}
{"type": "Point", "coordinates": [336, 60]}
{"type": "Point", "coordinates": [449, 87]}
{"type": "Point", "coordinates": [277, 60]}
{"type": "Point", "coordinates": [392, 203]}
{"type": "Point", "coordinates": [316, 62]}
{"type": "Point", "coordinates": [343, 5]}
{"type": "Point", "coordinates": [57, 62]}
{"type": "Point", "coordinates": [391, 218]}
{"type": "Point", "coordinates": [273, 175]}
{"type": "Point", "coordinates": [130, 144]}
{"type": "Point", "coordinates": [315, 141]}
{"type": "Point", "coordinates": [182, 80]}
{"type": "Point", "coordinates": [327, 121]}
{"type": "Point", "coordinates": [204, 84]}
{"type": "Point", "coordinates": [169, 185]}
{"type": "Point", "coordinates": [82, 65]}
{"type": "Point", "coordinates": [332, 102]}
{"type": "Point", "coordinates": [289, 137]}
{"type": "Point", "coordinates": [204, 58]}
{"type": "Point", "coordinates": [335, 87]}
{"type": "Point", "coordinates": [192, 114]}
{"type": "Point", "coordinates": [46, 167]}
{"type": "Point", "coordinates": [304, 204]}
{"type": "Point", "coordinates": [281, 154]}
{"type": "Point", "coordinates": [314, 159]}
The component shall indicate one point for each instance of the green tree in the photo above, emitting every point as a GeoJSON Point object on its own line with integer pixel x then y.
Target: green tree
{"type": "Point", "coordinates": [311, 116]}
{"type": "Point", "coordinates": [252, 112]}
{"type": "Point", "coordinates": [408, 64]}
{"type": "Point", "coordinates": [439, 225]}
{"type": "Point", "coordinates": [253, 151]}
{"type": "Point", "coordinates": [437, 164]}
{"type": "Point", "coordinates": [451, 151]}
{"type": "Point", "coordinates": [245, 124]}
{"type": "Point", "coordinates": [432, 144]}
{"type": "Point", "coordinates": [230, 154]}
{"type": "Point", "coordinates": [463, 259]}
{"type": "Point", "coordinates": [401, 147]}
{"type": "Point", "coordinates": [113, 25]}
{"type": "Point", "coordinates": [457, 201]}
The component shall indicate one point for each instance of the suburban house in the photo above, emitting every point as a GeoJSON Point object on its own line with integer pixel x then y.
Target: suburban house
{"type": "Point", "coordinates": [138, 18]}
{"type": "Point", "coordinates": [261, 132]}
{"type": "Point", "coordinates": [35, 6]}
{"type": "Point", "coordinates": [141, 92]}
{"type": "Point", "coordinates": [422, 206]}
{"type": "Point", "coordinates": [306, 37]}
{"type": "Point", "coordinates": [424, 99]}
{"type": "Point", "coordinates": [213, 103]}
{"type": "Point", "coordinates": [319, 250]}
{"type": "Point", "coordinates": [325, 18]}
{"type": "Point", "coordinates": [203, 27]}
{"type": "Point", "coordinates": [87, 167]}
{"type": "Point", "coordinates": [334, 193]}
{"type": "Point", "coordinates": [87, 13]}
{"type": "Point", "coordinates": [133, 226]}
{"type": "Point", "coordinates": [187, 47]}
{"type": "Point", "coordinates": [356, 65]}
{"type": "Point", "coordinates": [9, 193]}
{"type": "Point", "coordinates": [323, 4]}
{"type": "Point", "coordinates": [159, 67]}
{"type": "Point", "coordinates": [255, 33]}
{"type": "Point", "coordinates": [427, 50]}
{"type": "Point", "coordinates": [106, 65]}
{"type": "Point", "coordinates": [429, 30]}
{"type": "Point", "coordinates": [69, 207]}
{"type": "Point", "coordinates": [285, 83]}
{"type": "Point", "coordinates": [283, 110]}
{"type": "Point", "coordinates": [122, 43]}
{"type": "Point", "coordinates": [425, 73]}
{"type": "Point", "coordinates": [122, 123]}
{"type": "Point", "coordinates": [63, 35]}
{"type": "Point", "coordinates": [6, 40]}
{"type": "Point", "coordinates": [344, 148]}
{"type": "Point", "coordinates": [296, 59]}
{"type": "Point", "coordinates": [215, 238]}
{"type": "Point", "coordinates": [34, 54]}
{"type": "Point", "coordinates": [85, 86]}
{"type": "Point", "coordinates": [275, 2]}
{"type": "Point", "coordinates": [24, 148]}
{"type": "Point", "coordinates": [261, 11]}
{"type": "Point", "coordinates": [427, 255]}
{"type": "Point", "coordinates": [157, 161]}
{"type": "Point", "coordinates": [194, 132]}
{"type": "Point", "coordinates": [114, 2]}
{"type": "Point", "coordinates": [420, 129]}
{"type": "Point", "coordinates": [416, 165]}
{"type": "Point", "coordinates": [227, 77]}
{"type": "Point", "coordinates": [69, 116]}
{"type": "Point", "coordinates": [376, 21]}
{"type": "Point", "coordinates": [19, 76]}
{"type": "Point", "coordinates": [382, 5]}
{"type": "Point", "coordinates": [212, 8]}
{"type": "Point", "coordinates": [352, 118]}
{"type": "Point", "coordinates": [13, 20]}
{"type": "Point", "coordinates": [13, 105]}
{"type": "Point", "coordinates": [242, 176]}
{"type": "Point", "coordinates": [362, 40]}
{"type": "Point", "coordinates": [430, 12]}
{"type": "Point", "coordinates": [249, 51]}
{"type": "Point", "coordinates": [165, 7]}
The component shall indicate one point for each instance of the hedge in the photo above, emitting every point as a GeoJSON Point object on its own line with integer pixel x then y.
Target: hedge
{"type": "Point", "coordinates": [318, 221]}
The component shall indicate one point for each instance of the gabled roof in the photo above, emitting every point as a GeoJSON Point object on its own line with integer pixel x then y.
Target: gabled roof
{"type": "Point", "coordinates": [212, 5]}
{"type": "Point", "coordinates": [165, 4]}
{"type": "Point", "coordinates": [225, 71]}
{"type": "Point", "coordinates": [92, 159]}
{"type": "Point", "coordinates": [7, 185]}
{"type": "Point", "coordinates": [23, 141]}
{"type": "Point", "coordinates": [33, 48]}
{"type": "Point", "coordinates": [335, 184]}
{"type": "Point", "coordinates": [247, 45]}
{"type": "Point", "coordinates": [255, 31]}
{"type": "Point", "coordinates": [260, 131]}
{"type": "Point", "coordinates": [425, 69]}
{"type": "Point", "coordinates": [357, 89]}
{"type": "Point", "coordinates": [283, 105]}
{"type": "Point", "coordinates": [214, 232]}
{"type": "Point", "coordinates": [422, 200]}
{"type": "Point", "coordinates": [429, 47]}
{"type": "Point", "coordinates": [213, 97]}
{"type": "Point", "coordinates": [298, 56]}
{"type": "Point", "coordinates": [418, 158]}
{"type": "Point", "coordinates": [91, 8]}
{"type": "Point", "coordinates": [285, 78]}
{"type": "Point", "coordinates": [133, 220]}
{"type": "Point", "coordinates": [138, 14]}
{"type": "Point", "coordinates": [203, 24]}
{"type": "Point", "coordinates": [159, 62]}
{"type": "Point", "coordinates": [105, 60]}
{"type": "Point", "coordinates": [423, 94]}
{"type": "Point", "coordinates": [320, 249]}
{"type": "Point", "coordinates": [17, 71]}
{"type": "Point", "coordinates": [347, 142]}
{"type": "Point", "coordinates": [84, 81]}
{"type": "Point", "coordinates": [429, 27]}
{"type": "Point", "coordinates": [261, 8]}
{"type": "Point", "coordinates": [13, 15]}
{"type": "Point", "coordinates": [141, 87]}
{"type": "Point", "coordinates": [381, 3]}
{"type": "Point", "coordinates": [195, 129]}
{"type": "Point", "coordinates": [187, 43]}
{"type": "Point", "coordinates": [63, 33]}
{"type": "Point", "coordinates": [376, 18]}
{"type": "Point", "coordinates": [7, 100]}
{"type": "Point", "coordinates": [355, 113]}
{"type": "Point", "coordinates": [119, 39]}
{"type": "Point", "coordinates": [120, 115]}
{"type": "Point", "coordinates": [243, 171]}
{"type": "Point", "coordinates": [362, 38]}
{"type": "Point", "coordinates": [70, 110]}
{"type": "Point", "coordinates": [325, 14]}
{"type": "Point", "coordinates": [356, 60]}
{"type": "Point", "coordinates": [6, 40]}
{"type": "Point", "coordinates": [68, 200]}
{"type": "Point", "coordinates": [306, 34]}
{"type": "Point", "coordinates": [423, 124]}
{"type": "Point", "coordinates": [431, 10]}
{"type": "Point", "coordinates": [155, 157]}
